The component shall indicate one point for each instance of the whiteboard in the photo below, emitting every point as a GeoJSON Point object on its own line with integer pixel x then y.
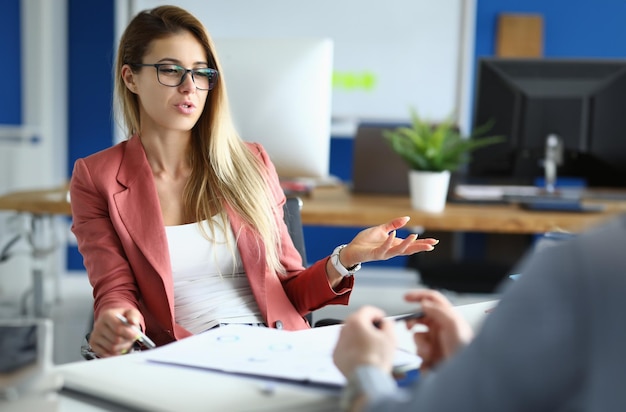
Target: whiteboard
{"type": "Point", "coordinates": [389, 56]}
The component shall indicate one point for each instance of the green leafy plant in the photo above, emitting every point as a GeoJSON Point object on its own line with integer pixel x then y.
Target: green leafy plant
{"type": "Point", "coordinates": [435, 148]}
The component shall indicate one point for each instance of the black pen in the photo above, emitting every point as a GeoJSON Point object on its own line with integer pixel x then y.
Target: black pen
{"type": "Point", "coordinates": [414, 315]}
{"type": "Point", "coordinates": [141, 337]}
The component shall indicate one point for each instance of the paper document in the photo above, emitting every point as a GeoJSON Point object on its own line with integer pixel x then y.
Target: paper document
{"type": "Point", "coordinates": [302, 356]}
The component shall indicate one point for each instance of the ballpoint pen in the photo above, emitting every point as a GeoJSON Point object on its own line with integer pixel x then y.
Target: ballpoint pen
{"type": "Point", "coordinates": [141, 337]}
{"type": "Point", "coordinates": [414, 315]}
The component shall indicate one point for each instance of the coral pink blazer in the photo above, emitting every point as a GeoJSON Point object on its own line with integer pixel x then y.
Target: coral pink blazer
{"type": "Point", "coordinates": [121, 236]}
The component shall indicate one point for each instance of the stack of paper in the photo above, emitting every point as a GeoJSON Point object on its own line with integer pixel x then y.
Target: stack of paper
{"type": "Point", "coordinates": [302, 356]}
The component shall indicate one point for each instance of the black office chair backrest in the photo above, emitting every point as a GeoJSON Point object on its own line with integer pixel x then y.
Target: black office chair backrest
{"type": "Point", "coordinates": [293, 219]}
{"type": "Point", "coordinates": [292, 210]}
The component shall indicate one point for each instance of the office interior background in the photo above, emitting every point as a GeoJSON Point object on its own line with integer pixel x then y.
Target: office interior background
{"type": "Point", "coordinates": [55, 104]}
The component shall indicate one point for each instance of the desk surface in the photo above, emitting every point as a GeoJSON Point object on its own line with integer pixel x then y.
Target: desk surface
{"type": "Point", "coordinates": [337, 207]}
{"type": "Point", "coordinates": [52, 201]}
{"type": "Point", "coordinates": [128, 383]}
{"type": "Point", "coordinates": [133, 383]}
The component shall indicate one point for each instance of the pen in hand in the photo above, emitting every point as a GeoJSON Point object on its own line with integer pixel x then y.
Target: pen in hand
{"type": "Point", "coordinates": [141, 337]}
{"type": "Point", "coordinates": [414, 315]}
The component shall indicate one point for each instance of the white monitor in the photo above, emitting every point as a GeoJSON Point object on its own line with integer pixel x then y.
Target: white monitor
{"type": "Point", "coordinates": [280, 96]}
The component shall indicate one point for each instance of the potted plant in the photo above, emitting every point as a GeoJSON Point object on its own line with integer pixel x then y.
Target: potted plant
{"type": "Point", "coordinates": [432, 151]}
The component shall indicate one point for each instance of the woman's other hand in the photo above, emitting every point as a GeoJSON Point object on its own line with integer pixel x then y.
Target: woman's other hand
{"type": "Point", "coordinates": [380, 243]}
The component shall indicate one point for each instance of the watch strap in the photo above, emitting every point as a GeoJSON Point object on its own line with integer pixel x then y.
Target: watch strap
{"type": "Point", "coordinates": [336, 262]}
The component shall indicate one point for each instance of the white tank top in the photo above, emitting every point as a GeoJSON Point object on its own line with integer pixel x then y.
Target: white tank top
{"type": "Point", "coordinates": [210, 285]}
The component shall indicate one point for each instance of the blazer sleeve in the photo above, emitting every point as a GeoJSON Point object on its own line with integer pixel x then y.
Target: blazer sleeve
{"type": "Point", "coordinates": [98, 242]}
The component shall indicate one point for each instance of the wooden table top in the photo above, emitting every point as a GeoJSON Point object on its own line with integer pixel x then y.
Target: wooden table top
{"type": "Point", "coordinates": [45, 201]}
{"type": "Point", "coordinates": [338, 207]}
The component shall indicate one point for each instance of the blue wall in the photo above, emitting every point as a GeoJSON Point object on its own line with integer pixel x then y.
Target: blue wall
{"type": "Point", "coordinates": [91, 51]}
{"type": "Point", "coordinates": [91, 48]}
{"type": "Point", "coordinates": [11, 91]}
{"type": "Point", "coordinates": [574, 28]}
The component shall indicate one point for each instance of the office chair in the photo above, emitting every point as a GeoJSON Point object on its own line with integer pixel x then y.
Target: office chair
{"type": "Point", "coordinates": [292, 217]}
{"type": "Point", "coordinates": [291, 211]}
{"type": "Point", "coordinates": [293, 220]}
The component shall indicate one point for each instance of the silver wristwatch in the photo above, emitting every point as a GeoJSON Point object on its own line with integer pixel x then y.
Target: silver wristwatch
{"type": "Point", "coordinates": [344, 271]}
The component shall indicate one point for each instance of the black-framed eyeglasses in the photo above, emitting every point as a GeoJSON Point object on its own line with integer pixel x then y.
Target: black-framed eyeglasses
{"type": "Point", "coordinates": [173, 75]}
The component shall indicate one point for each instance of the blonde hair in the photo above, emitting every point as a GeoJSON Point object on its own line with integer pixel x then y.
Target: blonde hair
{"type": "Point", "coordinates": [223, 170]}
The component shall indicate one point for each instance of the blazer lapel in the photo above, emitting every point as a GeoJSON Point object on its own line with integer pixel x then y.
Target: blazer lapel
{"type": "Point", "coordinates": [138, 207]}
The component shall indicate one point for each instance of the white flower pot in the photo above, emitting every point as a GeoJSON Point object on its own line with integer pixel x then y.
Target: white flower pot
{"type": "Point", "coordinates": [429, 190]}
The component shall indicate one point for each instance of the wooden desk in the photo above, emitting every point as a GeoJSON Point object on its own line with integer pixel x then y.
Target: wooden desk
{"type": "Point", "coordinates": [41, 205]}
{"type": "Point", "coordinates": [338, 207]}
{"type": "Point", "coordinates": [38, 202]}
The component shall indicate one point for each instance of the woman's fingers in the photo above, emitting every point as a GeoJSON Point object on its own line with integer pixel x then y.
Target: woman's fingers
{"type": "Point", "coordinates": [395, 223]}
{"type": "Point", "coordinates": [110, 336]}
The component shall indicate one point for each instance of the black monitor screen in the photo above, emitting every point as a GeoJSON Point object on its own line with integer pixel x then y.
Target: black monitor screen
{"type": "Point", "coordinates": [583, 102]}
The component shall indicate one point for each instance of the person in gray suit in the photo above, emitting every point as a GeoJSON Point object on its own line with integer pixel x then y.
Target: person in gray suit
{"type": "Point", "coordinates": [555, 342]}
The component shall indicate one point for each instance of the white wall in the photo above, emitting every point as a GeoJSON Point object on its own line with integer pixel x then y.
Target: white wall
{"type": "Point", "coordinates": [44, 100]}
{"type": "Point", "coordinates": [24, 164]}
{"type": "Point", "coordinates": [419, 51]}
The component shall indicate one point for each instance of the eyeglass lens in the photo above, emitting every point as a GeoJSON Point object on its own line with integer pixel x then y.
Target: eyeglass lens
{"type": "Point", "coordinates": [173, 75]}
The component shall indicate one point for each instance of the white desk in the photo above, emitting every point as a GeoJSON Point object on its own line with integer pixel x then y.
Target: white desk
{"type": "Point", "coordinates": [127, 383]}
{"type": "Point", "coordinates": [132, 384]}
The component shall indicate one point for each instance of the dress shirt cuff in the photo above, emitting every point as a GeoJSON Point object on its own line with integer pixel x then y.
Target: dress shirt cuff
{"type": "Point", "coordinates": [370, 381]}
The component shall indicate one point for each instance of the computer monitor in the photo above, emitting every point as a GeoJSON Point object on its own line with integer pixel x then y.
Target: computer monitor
{"type": "Point", "coordinates": [580, 101]}
{"type": "Point", "coordinates": [280, 96]}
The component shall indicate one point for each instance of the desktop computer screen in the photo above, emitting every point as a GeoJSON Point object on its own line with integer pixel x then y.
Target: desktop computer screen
{"type": "Point", "coordinates": [580, 102]}
{"type": "Point", "coordinates": [280, 96]}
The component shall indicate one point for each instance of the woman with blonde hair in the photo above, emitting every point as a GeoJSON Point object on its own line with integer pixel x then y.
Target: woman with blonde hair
{"type": "Point", "coordinates": [181, 226]}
